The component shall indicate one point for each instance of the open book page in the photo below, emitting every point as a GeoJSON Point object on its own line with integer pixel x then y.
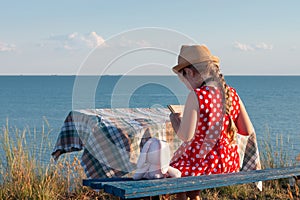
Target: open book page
{"type": "Point", "coordinates": [176, 108]}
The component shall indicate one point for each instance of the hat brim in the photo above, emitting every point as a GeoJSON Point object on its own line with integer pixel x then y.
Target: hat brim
{"type": "Point", "coordinates": [179, 67]}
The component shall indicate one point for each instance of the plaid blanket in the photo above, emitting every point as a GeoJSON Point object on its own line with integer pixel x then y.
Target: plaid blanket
{"type": "Point", "coordinates": [112, 139]}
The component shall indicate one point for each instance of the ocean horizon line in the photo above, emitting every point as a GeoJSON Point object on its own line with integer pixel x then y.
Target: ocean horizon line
{"type": "Point", "coordinates": [116, 75]}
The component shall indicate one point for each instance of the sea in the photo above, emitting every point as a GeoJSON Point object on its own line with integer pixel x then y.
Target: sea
{"type": "Point", "coordinates": [40, 104]}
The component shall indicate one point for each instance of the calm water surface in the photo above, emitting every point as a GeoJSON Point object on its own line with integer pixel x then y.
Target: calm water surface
{"type": "Point", "coordinates": [273, 102]}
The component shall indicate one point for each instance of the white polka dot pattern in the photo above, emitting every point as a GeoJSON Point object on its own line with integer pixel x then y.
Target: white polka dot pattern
{"type": "Point", "coordinates": [210, 151]}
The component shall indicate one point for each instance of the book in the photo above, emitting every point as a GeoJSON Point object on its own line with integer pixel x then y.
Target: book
{"type": "Point", "coordinates": [176, 108]}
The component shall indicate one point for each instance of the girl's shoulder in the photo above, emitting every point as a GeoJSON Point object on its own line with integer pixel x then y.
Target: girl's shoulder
{"type": "Point", "coordinates": [231, 88]}
{"type": "Point", "coordinates": [234, 96]}
{"type": "Point", "coordinates": [233, 91]}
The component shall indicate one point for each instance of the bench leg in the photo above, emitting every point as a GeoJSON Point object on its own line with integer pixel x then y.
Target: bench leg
{"type": "Point", "coordinates": [155, 198]}
{"type": "Point", "coordinates": [192, 195]}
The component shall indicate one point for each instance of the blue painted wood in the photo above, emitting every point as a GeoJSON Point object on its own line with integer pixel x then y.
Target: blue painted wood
{"type": "Point", "coordinates": [97, 183]}
{"type": "Point", "coordinates": [133, 189]}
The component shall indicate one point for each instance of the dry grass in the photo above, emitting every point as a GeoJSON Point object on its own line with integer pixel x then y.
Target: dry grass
{"type": "Point", "coordinates": [23, 176]}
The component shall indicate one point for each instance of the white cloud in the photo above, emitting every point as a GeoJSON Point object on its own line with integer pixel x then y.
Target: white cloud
{"type": "Point", "coordinates": [264, 46]}
{"type": "Point", "coordinates": [127, 42]}
{"type": "Point", "coordinates": [95, 40]}
{"type": "Point", "coordinates": [243, 47]}
{"type": "Point", "coordinates": [249, 47]}
{"type": "Point", "coordinates": [76, 41]}
{"type": "Point", "coordinates": [4, 47]}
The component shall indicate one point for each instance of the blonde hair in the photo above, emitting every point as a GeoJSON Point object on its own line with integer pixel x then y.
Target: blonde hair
{"type": "Point", "coordinates": [211, 70]}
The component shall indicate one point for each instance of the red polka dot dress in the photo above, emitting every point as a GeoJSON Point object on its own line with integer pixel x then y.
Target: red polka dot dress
{"type": "Point", "coordinates": [210, 151]}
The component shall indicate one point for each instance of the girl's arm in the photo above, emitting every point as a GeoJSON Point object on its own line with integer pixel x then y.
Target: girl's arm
{"type": "Point", "coordinates": [243, 121]}
{"type": "Point", "coordinates": [185, 127]}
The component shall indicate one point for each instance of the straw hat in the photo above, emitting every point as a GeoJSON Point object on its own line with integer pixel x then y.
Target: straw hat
{"type": "Point", "coordinates": [193, 54]}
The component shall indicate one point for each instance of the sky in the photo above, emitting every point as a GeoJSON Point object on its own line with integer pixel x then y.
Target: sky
{"type": "Point", "coordinates": [144, 37]}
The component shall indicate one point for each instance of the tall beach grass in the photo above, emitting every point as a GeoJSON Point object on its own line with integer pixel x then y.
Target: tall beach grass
{"type": "Point", "coordinates": [24, 174]}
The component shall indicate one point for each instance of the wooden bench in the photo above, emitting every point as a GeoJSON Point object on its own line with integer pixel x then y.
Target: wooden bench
{"type": "Point", "coordinates": [127, 188]}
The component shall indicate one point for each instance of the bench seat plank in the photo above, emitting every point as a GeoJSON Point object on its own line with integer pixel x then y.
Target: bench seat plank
{"type": "Point", "coordinates": [98, 183]}
{"type": "Point", "coordinates": [129, 188]}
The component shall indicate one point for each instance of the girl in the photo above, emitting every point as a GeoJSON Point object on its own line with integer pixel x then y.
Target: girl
{"type": "Point", "coordinates": [212, 117]}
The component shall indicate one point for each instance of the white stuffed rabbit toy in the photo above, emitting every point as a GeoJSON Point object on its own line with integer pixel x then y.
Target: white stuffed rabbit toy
{"type": "Point", "coordinates": [154, 161]}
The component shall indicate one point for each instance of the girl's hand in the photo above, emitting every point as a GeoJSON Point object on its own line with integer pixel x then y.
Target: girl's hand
{"type": "Point", "coordinates": [175, 119]}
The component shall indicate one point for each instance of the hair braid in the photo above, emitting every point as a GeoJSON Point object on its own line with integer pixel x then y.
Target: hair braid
{"type": "Point", "coordinates": [231, 129]}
